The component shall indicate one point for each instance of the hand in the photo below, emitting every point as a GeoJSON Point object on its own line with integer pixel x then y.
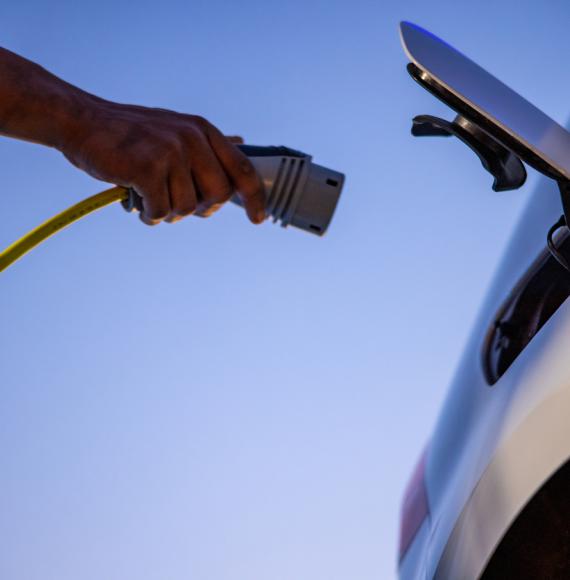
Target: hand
{"type": "Point", "coordinates": [179, 164]}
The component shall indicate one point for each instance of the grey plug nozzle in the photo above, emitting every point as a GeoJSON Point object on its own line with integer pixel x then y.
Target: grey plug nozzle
{"type": "Point", "coordinates": [299, 192]}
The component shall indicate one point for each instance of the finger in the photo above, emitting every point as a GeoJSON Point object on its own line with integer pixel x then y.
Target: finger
{"type": "Point", "coordinates": [212, 209]}
{"type": "Point", "coordinates": [242, 173]}
{"type": "Point", "coordinates": [155, 201]}
{"type": "Point", "coordinates": [182, 192]}
{"type": "Point", "coordinates": [235, 139]}
{"type": "Point", "coordinates": [213, 185]}
{"type": "Point", "coordinates": [147, 221]}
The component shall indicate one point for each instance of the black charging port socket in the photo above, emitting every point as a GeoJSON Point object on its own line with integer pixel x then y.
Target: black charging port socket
{"type": "Point", "coordinates": [535, 298]}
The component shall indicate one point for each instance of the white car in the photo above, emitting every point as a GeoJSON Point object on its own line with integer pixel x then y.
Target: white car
{"type": "Point", "coordinates": [490, 497]}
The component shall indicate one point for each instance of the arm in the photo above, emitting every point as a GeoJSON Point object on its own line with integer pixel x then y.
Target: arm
{"type": "Point", "coordinates": [179, 164]}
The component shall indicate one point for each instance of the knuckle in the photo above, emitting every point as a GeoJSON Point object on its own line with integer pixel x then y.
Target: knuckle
{"type": "Point", "coordinates": [173, 152]}
{"type": "Point", "coordinates": [156, 162]}
{"type": "Point", "coordinates": [200, 122]}
{"type": "Point", "coordinates": [192, 134]}
{"type": "Point", "coordinates": [245, 167]}
{"type": "Point", "coordinates": [165, 146]}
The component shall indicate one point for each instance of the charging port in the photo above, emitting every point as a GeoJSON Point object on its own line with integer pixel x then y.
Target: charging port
{"type": "Point", "coordinates": [535, 298]}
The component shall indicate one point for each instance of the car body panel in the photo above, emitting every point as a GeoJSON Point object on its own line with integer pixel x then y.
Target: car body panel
{"type": "Point", "coordinates": [494, 447]}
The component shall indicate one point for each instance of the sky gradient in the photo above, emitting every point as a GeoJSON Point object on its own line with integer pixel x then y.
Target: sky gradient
{"type": "Point", "coordinates": [218, 401]}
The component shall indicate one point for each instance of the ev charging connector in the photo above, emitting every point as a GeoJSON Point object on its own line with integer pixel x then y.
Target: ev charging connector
{"type": "Point", "coordinates": [298, 192]}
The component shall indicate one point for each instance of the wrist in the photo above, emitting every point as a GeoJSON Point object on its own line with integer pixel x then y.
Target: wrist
{"type": "Point", "coordinates": [37, 106]}
{"type": "Point", "coordinates": [74, 120]}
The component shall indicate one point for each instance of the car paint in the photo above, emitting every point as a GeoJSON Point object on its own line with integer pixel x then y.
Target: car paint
{"type": "Point", "coordinates": [494, 447]}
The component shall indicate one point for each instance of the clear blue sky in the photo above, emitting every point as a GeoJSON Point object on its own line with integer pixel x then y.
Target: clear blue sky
{"type": "Point", "coordinates": [216, 401]}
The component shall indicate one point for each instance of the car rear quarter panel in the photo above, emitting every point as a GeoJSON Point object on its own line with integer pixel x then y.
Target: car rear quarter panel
{"type": "Point", "coordinates": [493, 447]}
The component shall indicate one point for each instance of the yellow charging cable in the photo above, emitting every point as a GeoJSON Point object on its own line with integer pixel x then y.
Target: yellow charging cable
{"type": "Point", "coordinates": [58, 222]}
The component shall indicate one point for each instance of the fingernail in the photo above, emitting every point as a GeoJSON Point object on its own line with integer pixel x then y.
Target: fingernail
{"type": "Point", "coordinates": [260, 215]}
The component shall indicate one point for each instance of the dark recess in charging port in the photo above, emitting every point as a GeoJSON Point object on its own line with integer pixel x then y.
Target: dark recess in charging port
{"type": "Point", "coordinates": [535, 298]}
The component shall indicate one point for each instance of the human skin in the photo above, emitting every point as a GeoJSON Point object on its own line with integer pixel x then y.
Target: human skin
{"type": "Point", "coordinates": [179, 164]}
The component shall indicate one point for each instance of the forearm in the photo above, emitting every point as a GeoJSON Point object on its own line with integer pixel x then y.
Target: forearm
{"type": "Point", "coordinates": [37, 106]}
{"type": "Point", "coordinates": [179, 164]}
